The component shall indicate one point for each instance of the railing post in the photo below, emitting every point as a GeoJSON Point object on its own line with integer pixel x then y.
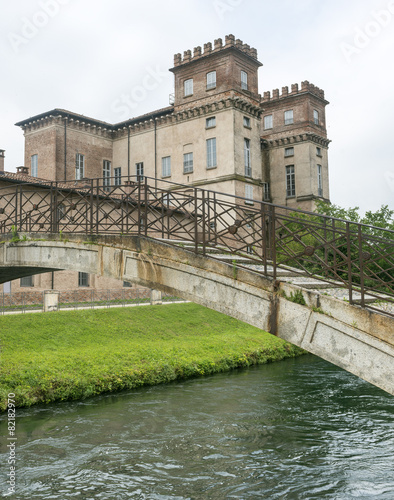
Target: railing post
{"type": "Point", "coordinates": [16, 206]}
{"type": "Point", "coordinates": [325, 248]}
{"type": "Point", "coordinates": [195, 222]}
{"type": "Point", "coordinates": [97, 205]}
{"type": "Point", "coordinates": [215, 217]}
{"type": "Point", "coordinates": [361, 261]}
{"type": "Point", "coordinates": [139, 206]}
{"type": "Point", "coordinates": [51, 219]}
{"type": "Point", "coordinates": [349, 263]}
{"type": "Point", "coordinates": [264, 236]}
{"type": "Point", "coordinates": [146, 206]}
{"type": "Point", "coordinates": [334, 257]}
{"type": "Point", "coordinates": [203, 221]}
{"type": "Point", "coordinates": [273, 238]}
{"type": "Point", "coordinates": [91, 203]}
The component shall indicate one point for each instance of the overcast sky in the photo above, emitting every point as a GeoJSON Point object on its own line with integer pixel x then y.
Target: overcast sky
{"type": "Point", "coordinates": [109, 60]}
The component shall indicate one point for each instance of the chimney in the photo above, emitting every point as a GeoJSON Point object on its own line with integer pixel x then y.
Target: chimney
{"type": "Point", "coordinates": [22, 170]}
{"type": "Point", "coordinates": [2, 151]}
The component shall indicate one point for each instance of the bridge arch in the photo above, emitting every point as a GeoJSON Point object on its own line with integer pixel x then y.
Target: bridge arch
{"type": "Point", "coordinates": [358, 340]}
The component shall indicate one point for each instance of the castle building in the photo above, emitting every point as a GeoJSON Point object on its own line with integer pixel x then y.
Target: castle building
{"type": "Point", "coordinates": [218, 132]}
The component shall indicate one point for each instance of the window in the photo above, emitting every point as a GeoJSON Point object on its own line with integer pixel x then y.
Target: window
{"type": "Point", "coordinates": [34, 166]}
{"type": "Point", "coordinates": [187, 163]}
{"type": "Point", "coordinates": [79, 167]}
{"type": "Point", "coordinates": [316, 117]}
{"type": "Point", "coordinates": [83, 279]}
{"type": "Point", "coordinates": [246, 121]}
{"type": "Point", "coordinates": [210, 122]}
{"type": "Point", "coordinates": [27, 281]}
{"type": "Point", "coordinates": [318, 151]}
{"type": "Point", "coordinates": [249, 194]}
{"type": "Point", "coordinates": [211, 153]}
{"type": "Point", "coordinates": [244, 80]}
{"type": "Point", "coordinates": [118, 176]}
{"type": "Point", "coordinates": [211, 80]}
{"type": "Point", "coordinates": [139, 171]}
{"type": "Point", "coordinates": [248, 166]}
{"type": "Point", "coordinates": [106, 174]}
{"type": "Point", "coordinates": [267, 122]}
{"type": "Point", "coordinates": [290, 181]}
{"type": "Point", "coordinates": [266, 191]}
{"type": "Point", "coordinates": [319, 181]}
{"type": "Point", "coordinates": [289, 119]}
{"type": "Point", "coordinates": [289, 151]}
{"type": "Point", "coordinates": [188, 86]}
{"type": "Point", "coordinates": [166, 166]}
{"type": "Point", "coordinates": [127, 284]}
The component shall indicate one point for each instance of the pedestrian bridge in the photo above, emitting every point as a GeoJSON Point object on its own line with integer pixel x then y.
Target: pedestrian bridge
{"type": "Point", "coordinates": [322, 283]}
{"type": "Point", "coordinates": [359, 340]}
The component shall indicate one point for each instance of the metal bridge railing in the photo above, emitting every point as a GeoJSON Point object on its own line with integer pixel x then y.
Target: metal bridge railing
{"type": "Point", "coordinates": [354, 256]}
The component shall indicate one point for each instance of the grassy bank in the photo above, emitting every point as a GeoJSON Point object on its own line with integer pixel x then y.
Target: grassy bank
{"type": "Point", "coordinates": [72, 355]}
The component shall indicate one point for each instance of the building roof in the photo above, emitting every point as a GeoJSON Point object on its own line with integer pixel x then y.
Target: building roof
{"type": "Point", "coordinates": [63, 113]}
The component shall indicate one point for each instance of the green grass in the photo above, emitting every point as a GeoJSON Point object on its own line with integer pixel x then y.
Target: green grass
{"type": "Point", "coordinates": [73, 355]}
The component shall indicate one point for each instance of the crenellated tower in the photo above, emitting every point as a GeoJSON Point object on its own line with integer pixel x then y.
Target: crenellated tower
{"type": "Point", "coordinates": [225, 69]}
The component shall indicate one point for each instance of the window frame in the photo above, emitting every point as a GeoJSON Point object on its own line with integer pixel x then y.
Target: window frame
{"type": "Point", "coordinates": [266, 191]}
{"type": "Point", "coordinates": [79, 166]}
{"type": "Point", "coordinates": [290, 181]}
{"type": "Point", "coordinates": [82, 279]}
{"type": "Point", "coordinates": [289, 151]}
{"type": "Point", "coordinates": [107, 174]}
{"type": "Point", "coordinates": [34, 165]}
{"type": "Point", "coordinates": [319, 180]}
{"type": "Point", "coordinates": [244, 80]}
{"type": "Point", "coordinates": [271, 122]}
{"type": "Point", "coordinates": [289, 119]}
{"type": "Point", "coordinates": [188, 165]}
{"type": "Point", "coordinates": [249, 194]}
{"type": "Point", "coordinates": [118, 176]}
{"type": "Point", "coordinates": [211, 84]}
{"type": "Point", "coordinates": [247, 158]}
{"type": "Point", "coordinates": [188, 87]}
{"type": "Point", "coordinates": [207, 120]}
{"type": "Point", "coordinates": [211, 153]}
{"type": "Point", "coordinates": [139, 171]}
{"type": "Point", "coordinates": [166, 166]}
{"type": "Point", "coordinates": [26, 282]}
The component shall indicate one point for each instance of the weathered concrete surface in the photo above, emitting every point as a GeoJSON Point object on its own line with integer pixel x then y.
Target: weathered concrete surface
{"type": "Point", "coordinates": [361, 342]}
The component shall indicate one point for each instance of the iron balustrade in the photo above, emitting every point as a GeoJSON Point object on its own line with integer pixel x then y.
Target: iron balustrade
{"type": "Point", "coordinates": [354, 256]}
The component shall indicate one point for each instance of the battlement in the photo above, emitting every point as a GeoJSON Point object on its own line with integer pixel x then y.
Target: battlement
{"type": "Point", "coordinates": [230, 41]}
{"type": "Point", "coordinates": [295, 90]}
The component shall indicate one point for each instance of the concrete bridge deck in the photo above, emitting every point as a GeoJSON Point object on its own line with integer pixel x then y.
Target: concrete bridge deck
{"type": "Point", "coordinates": [359, 340]}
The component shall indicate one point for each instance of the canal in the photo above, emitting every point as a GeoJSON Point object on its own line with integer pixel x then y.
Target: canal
{"type": "Point", "coordinates": [297, 429]}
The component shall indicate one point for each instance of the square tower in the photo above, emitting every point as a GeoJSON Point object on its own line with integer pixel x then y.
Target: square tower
{"type": "Point", "coordinates": [228, 69]}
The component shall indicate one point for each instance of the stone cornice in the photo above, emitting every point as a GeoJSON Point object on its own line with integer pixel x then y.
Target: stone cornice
{"type": "Point", "coordinates": [216, 180]}
{"type": "Point", "coordinates": [191, 113]}
{"type": "Point", "coordinates": [295, 139]}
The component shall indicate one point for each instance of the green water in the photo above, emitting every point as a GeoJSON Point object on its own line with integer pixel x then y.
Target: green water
{"type": "Point", "coordinates": [298, 429]}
